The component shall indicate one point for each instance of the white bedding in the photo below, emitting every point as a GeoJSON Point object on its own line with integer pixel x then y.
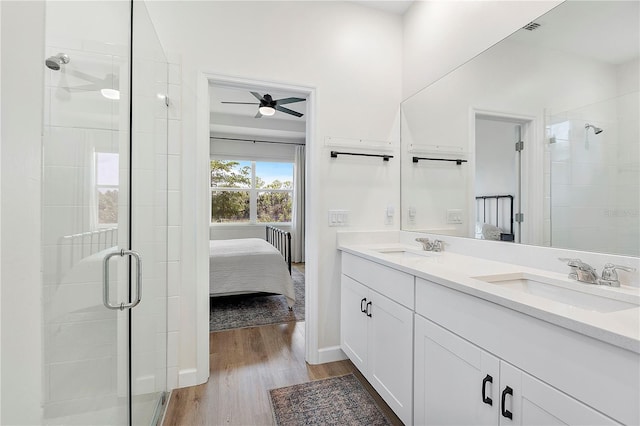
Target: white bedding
{"type": "Point", "coordinates": [248, 265]}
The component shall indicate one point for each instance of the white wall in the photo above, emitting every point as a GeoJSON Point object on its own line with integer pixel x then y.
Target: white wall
{"type": "Point", "coordinates": [0, 216]}
{"type": "Point", "coordinates": [441, 35]}
{"type": "Point", "coordinates": [352, 56]}
{"type": "Point", "coordinates": [22, 76]}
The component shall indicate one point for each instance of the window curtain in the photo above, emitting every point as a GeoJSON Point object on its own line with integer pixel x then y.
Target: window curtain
{"type": "Point", "coordinates": [297, 232]}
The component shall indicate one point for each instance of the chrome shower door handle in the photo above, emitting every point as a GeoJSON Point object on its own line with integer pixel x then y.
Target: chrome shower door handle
{"type": "Point", "coordinates": [106, 300]}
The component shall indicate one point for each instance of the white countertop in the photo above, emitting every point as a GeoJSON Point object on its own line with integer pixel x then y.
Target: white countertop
{"type": "Point", "coordinates": [620, 328]}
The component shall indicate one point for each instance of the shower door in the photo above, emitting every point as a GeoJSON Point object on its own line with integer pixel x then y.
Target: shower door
{"type": "Point", "coordinates": [103, 215]}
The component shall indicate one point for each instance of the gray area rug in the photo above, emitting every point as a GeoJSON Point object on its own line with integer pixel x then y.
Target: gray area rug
{"type": "Point", "coordinates": [229, 312]}
{"type": "Point", "coordinates": [334, 401]}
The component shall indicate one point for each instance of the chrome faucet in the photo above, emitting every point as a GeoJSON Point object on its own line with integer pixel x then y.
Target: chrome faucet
{"type": "Point", "coordinates": [428, 245]}
{"type": "Point", "coordinates": [610, 276]}
{"type": "Point", "coordinates": [583, 272]}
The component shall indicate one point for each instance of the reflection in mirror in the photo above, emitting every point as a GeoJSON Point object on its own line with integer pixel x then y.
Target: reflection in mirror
{"type": "Point", "coordinates": [548, 123]}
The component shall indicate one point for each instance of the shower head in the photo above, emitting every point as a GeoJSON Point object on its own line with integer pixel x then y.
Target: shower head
{"type": "Point", "coordinates": [596, 130]}
{"type": "Point", "coordinates": [55, 62]}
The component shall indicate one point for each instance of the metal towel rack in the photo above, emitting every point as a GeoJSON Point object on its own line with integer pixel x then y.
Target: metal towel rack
{"type": "Point", "coordinates": [385, 157]}
{"type": "Point", "coordinates": [458, 161]}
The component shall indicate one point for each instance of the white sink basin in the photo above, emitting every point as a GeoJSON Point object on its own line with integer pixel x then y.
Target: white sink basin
{"type": "Point", "coordinates": [571, 293]}
{"type": "Point", "coordinates": [405, 254]}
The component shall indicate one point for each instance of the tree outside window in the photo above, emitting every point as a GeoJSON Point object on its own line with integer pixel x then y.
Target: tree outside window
{"type": "Point", "coordinates": [107, 183]}
{"type": "Point", "coordinates": [251, 192]}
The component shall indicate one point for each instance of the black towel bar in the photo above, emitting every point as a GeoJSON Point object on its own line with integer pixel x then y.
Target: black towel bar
{"type": "Point", "coordinates": [458, 161]}
{"type": "Point", "coordinates": [385, 157]}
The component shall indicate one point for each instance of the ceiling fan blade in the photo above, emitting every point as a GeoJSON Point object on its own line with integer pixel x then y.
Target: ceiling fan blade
{"type": "Point", "coordinates": [239, 103]}
{"type": "Point", "coordinates": [288, 111]}
{"type": "Point", "coordinates": [258, 115]}
{"type": "Point", "coordinates": [289, 100]}
{"type": "Point", "coordinates": [257, 95]}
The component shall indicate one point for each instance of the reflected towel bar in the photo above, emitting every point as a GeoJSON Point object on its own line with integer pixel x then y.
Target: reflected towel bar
{"type": "Point", "coordinates": [457, 161]}
{"type": "Point", "coordinates": [385, 157]}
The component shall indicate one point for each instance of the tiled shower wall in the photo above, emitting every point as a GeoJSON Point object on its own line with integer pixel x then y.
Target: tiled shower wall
{"type": "Point", "coordinates": [174, 255]}
{"type": "Point", "coordinates": [594, 179]}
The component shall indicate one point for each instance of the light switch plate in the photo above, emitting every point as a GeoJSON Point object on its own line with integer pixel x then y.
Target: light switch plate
{"type": "Point", "coordinates": [390, 212]}
{"type": "Point", "coordinates": [338, 217]}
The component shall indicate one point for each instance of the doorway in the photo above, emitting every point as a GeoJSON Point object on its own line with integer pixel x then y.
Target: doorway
{"type": "Point", "coordinates": [257, 153]}
{"type": "Point", "coordinates": [499, 143]}
{"type": "Point", "coordinates": [310, 238]}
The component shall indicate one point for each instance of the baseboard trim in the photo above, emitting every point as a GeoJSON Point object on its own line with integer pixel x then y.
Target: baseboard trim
{"type": "Point", "coordinates": [330, 354]}
{"type": "Point", "coordinates": [187, 377]}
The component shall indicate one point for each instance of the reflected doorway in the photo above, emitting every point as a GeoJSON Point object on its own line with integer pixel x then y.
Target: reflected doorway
{"type": "Point", "coordinates": [499, 144]}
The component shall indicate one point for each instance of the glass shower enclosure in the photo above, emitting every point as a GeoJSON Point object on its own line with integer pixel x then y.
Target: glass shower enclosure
{"type": "Point", "coordinates": [593, 177]}
{"type": "Point", "coordinates": [104, 215]}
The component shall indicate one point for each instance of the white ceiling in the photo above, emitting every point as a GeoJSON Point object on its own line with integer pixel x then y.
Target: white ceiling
{"type": "Point", "coordinates": [239, 121]}
{"type": "Point", "coordinates": [398, 7]}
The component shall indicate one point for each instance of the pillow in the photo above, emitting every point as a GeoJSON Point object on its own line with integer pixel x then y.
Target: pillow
{"type": "Point", "coordinates": [490, 232]}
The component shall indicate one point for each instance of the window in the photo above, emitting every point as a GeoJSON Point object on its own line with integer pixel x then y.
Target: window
{"type": "Point", "coordinates": [107, 181]}
{"type": "Point", "coordinates": [251, 191]}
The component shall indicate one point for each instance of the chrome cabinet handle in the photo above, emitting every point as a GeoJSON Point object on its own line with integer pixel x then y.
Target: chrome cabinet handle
{"type": "Point", "coordinates": [106, 300]}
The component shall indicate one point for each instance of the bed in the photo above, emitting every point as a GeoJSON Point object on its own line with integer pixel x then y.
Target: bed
{"type": "Point", "coordinates": [494, 217]}
{"type": "Point", "coordinates": [251, 265]}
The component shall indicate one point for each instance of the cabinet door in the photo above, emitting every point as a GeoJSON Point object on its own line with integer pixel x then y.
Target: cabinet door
{"type": "Point", "coordinates": [536, 403]}
{"type": "Point", "coordinates": [455, 382]}
{"type": "Point", "coordinates": [390, 353]}
{"type": "Point", "coordinates": [353, 322]}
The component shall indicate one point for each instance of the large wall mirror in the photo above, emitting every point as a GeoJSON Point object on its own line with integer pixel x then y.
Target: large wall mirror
{"type": "Point", "coordinates": [536, 140]}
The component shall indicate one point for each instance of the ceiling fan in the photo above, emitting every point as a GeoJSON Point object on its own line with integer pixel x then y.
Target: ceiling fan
{"type": "Point", "coordinates": [269, 106]}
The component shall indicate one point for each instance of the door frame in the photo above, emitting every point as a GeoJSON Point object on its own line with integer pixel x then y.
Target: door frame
{"type": "Point", "coordinates": [531, 189]}
{"type": "Point", "coordinates": [203, 220]}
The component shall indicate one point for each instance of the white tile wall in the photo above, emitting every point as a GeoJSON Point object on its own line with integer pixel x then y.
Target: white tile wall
{"type": "Point", "coordinates": [175, 101]}
{"type": "Point", "coordinates": [175, 138]}
{"type": "Point", "coordinates": [175, 208]}
{"type": "Point", "coordinates": [173, 313]}
{"type": "Point", "coordinates": [594, 180]}
{"type": "Point", "coordinates": [173, 279]}
{"type": "Point", "coordinates": [174, 205]}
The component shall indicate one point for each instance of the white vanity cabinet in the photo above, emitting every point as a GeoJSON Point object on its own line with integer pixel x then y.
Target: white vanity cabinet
{"type": "Point", "coordinates": [539, 373]}
{"type": "Point", "coordinates": [451, 378]}
{"type": "Point", "coordinates": [458, 383]}
{"type": "Point", "coordinates": [442, 350]}
{"type": "Point", "coordinates": [377, 330]}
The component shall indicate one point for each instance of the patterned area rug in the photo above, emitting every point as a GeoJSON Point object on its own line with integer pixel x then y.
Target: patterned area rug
{"type": "Point", "coordinates": [335, 401]}
{"type": "Point", "coordinates": [229, 312]}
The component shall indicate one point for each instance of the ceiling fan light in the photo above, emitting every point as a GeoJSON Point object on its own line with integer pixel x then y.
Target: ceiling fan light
{"type": "Point", "coordinates": [266, 110]}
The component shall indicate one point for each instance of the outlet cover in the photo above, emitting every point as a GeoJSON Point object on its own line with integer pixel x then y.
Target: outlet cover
{"type": "Point", "coordinates": [454, 216]}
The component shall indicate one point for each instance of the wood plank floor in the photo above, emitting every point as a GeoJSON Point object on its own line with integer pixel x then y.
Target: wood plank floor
{"type": "Point", "coordinates": [244, 364]}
